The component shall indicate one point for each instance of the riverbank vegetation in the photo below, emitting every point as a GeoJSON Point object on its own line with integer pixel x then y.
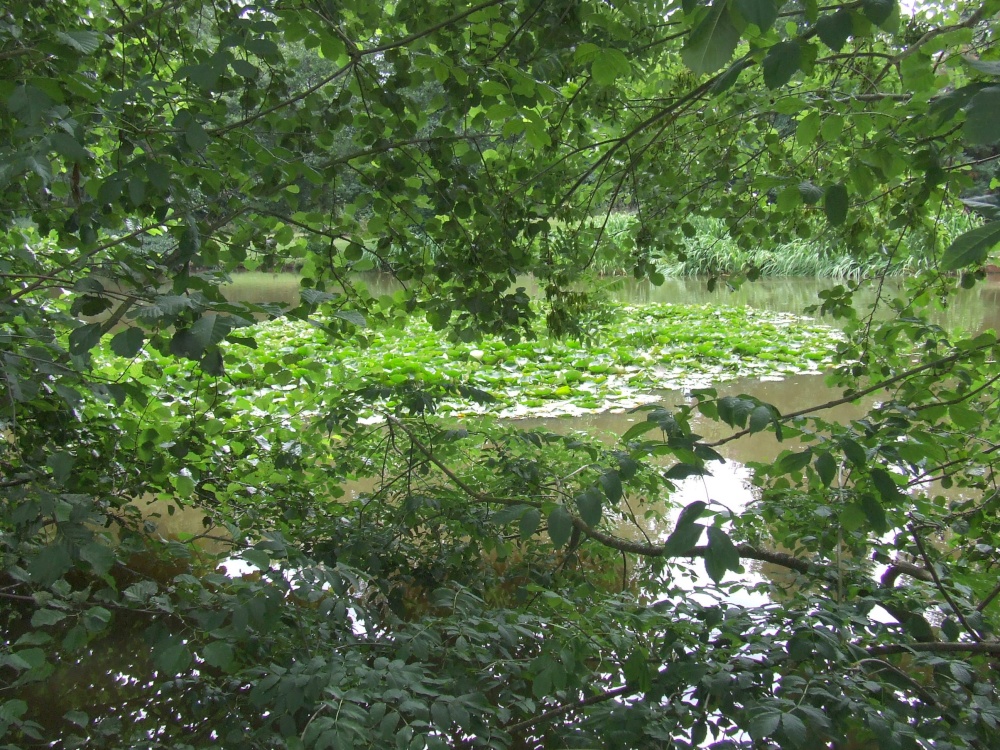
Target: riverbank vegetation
{"type": "Point", "coordinates": [371, 557]}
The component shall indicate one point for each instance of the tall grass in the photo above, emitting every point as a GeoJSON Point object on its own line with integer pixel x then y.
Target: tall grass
{"type": "Point", "coordinates": [713, 251]}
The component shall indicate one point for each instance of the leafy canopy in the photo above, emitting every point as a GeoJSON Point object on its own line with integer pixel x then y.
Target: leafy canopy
{"type": "Point", "coordinates": [479, 588]}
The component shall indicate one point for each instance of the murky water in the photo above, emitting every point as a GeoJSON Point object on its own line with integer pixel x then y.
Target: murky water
{"type": "Point", "coordinates": [729, 482]}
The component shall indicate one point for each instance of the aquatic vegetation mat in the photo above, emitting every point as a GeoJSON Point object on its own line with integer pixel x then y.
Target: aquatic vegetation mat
{"type": "Point", "coordinates": [642, 350]}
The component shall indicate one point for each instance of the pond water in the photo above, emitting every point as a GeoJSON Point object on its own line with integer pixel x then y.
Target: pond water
{"type": "Point", "coordinates": [729, 482]}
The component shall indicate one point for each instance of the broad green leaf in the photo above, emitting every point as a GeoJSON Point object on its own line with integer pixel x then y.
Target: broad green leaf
{"type": "Point", "coordinates": [612, 484]}
{"type": "Point", "coordinates": [728, 79]}
{"type": "Point", "coordinates": [528, 524]}
{"type": "Point", "coordinates": [807, 129]}
{"type": "Point", "coordinates": [195, 135]}
{"type": "Point", "coordinates": [84, 338]}
{"type": "Point", "coordinates": [721, 554]}
{"type": "Point", "coordinates": [171, 660]}
{"type": "Point", "coordinates": [760, 418]}
{"type": "Point", "coordinates": [219, 654]}
{"type": "Point", "coordinates": [875, 513]}
{"type": "Point", "coordinates": [781, 63]}
{"type": "Point", "coordinates": [832, 128]}
{"type": "Point", "coordinates": [826, 468]}
{"type": "Point", "coordinates": [609, 65]}
{"type": "Point", "coordinates": [96, 619]}
{"type": "Point", "coordinates": [982, 124]}
{"type": "Point", "coordinates": [128, 343]}
{"type": "Point", "coordinates": [989, 67]}
{"type": "Point", "coordinates": [763, 13]}
{"type": "Point", "coordinates": [810, 193]}
{"type": "Point", "coordinates": [971, 248]}
{"type": "Point", "coordinates": [49, 564]}
{"type": "Point", "coordinates": [85, 42]}
{"type": "Point", "coordinates": [964, 417]}
{"type": "Point", "coordinates": [43, 617]}
{"type": "Point", "coordinates": [79, 718]}
{"type": "Point", "coordinates": [795, 729]}
{"type": "Point", "coordinates": [886, 486]}
{"type": "Point", "coordinates": [353, 317]}
{"type": "Point", "coordinates": [560, 526]}
{"type": "Point", "coordinates": [682, 539]}
{"type": "Point", "coordinates": [854, 452]}
{"type": "Point", "coordinates": [712, 42]}
{"type": "Point", "coordinates": [589, 505]}
{"type": "Point", "coordinates": [792, 462]}
{"type": "Point", "coordinates": [834, 29]}
{"type": "Point", "coordinates": [763, 722]}
{"type": "Point", "coordinates": [835, 204]}
{"type": "Point", "coordinates": [691, 513]}
{"type": "Point", "coordinates": [852, 517]}
{"type": "Point", "coordinates": [878, 11]}
{"type": "Point", "coordinates": [61, 464]}
{"type": "Point", "coordinates": [100, 556]}
{"type": "Point", "coordinates": [68, 146]}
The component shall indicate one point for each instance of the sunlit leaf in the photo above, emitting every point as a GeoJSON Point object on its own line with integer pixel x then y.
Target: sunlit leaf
{"type": "Point", "coordinates": [712, 42]}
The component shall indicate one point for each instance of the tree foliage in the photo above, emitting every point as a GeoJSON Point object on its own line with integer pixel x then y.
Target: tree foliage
{"type": "Point", "coordinates": [478, 590]}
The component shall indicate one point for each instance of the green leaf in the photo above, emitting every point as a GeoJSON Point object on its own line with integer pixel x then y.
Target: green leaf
{"type": "Point", "coordinates": [128, 343]}
{"type": "Point", "coordinates": [835, 204]}
{"type": "Point", "coordinates": [61, 464]}
{"type": "Point", "coordinates": [66, 145]}
{"type": "Point", "coordinates": [795, 729]}
{"type": "Point", "coordinates": [826, 468]}
{"type": "Point", "coordinates": [875, 514]}
{"type": "Point", "coordinates": [528, 523]}
{"type": "Point", "coordinates": [791, 462]}
{"type": "Point", "coordinates": [172, 660]}
{"type": "Point", "coordinates": [682, 539]}
{"type": "Point", "coordinates": [834, 29]}
{"type": "Point", "coordinates": [560, 526]}
{"type": "Point", "coordinates": [989, 67]}
{"type": "Point", "coordinates": [886, 486]}
{"type": "Point", "coordinates": [854, 452]}
{"type": "Point", "coordinates": [781, 63]}
{"type": "Point", "coordinates": [49, 564]}
{"type": "Point", "coordinates": [763, 723]}
{"type": "Point", "coordinates": [609, 65]}
{"type": "Point", "coordinates": [760, 418]}
{"type": "Point", "coordinates": [762, 13]}
{"type": "Point", "coordinates": [100, 556]}
{"type": "Point", "coordinates": [84, 338]}
{"type": "Point", "coordinates": [971, 248]}
{"type": "Point", "coordinates": [589, 505]}
{"type": "Point", "coordinates": [43, 617]}
{"type": "Point", "coordinates": [218, 654]}
{"type": "Point", "coordinates": [712, 42]}
{"type": "Point", "coordinates": [195, 135]}
{"type": "Point", "coordinates": [810, 193]}
{"type": "Point", "coordinates": [185, 485]}
{"type": "Point", "coordinates": [85, 42]}
{"type": "Point", "coordinates": [612, 485]}
{"type": "Point", "coordinates": [353, 317]}
{"type": "Point", "coordinates": [728, 79]}
{"type": "Point", "coordinates": [982, 123]}
{"type": "Point", "coordinates": [691, 513]}
{"type": "Point", "coordinates": [878, 11]}
{"type": "Point", "coordinates": [721, 554]}
{"type": "Point", "coordinates": [78, 718]}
